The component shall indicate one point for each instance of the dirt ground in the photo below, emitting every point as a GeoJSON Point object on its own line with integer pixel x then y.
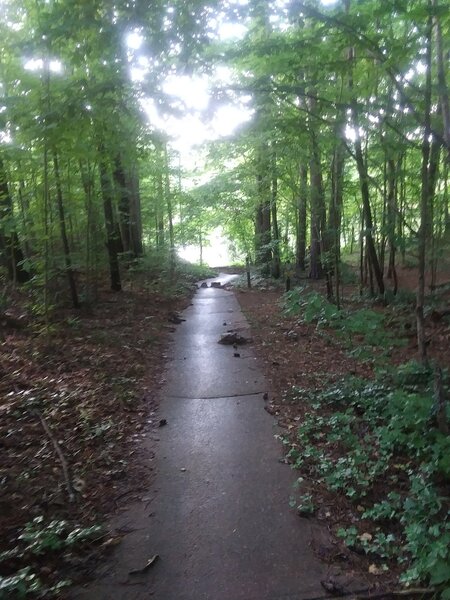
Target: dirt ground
{"type": "Point", "coordinates": [88, 388]}
{"type": "Point", "coordinates": [299, 354]}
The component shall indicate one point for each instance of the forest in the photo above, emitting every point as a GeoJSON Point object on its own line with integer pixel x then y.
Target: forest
{"type": "Point", "coordinates": [323, 164]}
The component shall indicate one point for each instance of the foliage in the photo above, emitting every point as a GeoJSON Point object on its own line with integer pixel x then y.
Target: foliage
{"type": "Point", "coordinates": [38, 539]}
{"type": "Point", "coordinates": [361, 330]}
{"type": "Point", "coordinates": [376, 443]}
{"type": "Point", "coordinates": [194, 272]}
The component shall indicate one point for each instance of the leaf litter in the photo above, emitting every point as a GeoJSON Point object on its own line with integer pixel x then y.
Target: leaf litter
{"type": "Point", "coordinates": [74, 408]}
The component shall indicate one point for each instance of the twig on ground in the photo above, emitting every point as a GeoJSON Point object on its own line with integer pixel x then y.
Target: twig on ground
{"type": "Point", "coordinates": [398, 593]}
{"type": "Point", "coordinates": [57, 447]}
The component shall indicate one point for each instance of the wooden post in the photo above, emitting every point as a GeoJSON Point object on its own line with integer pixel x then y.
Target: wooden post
{"type": "Point", "coordinates": [247, 265]}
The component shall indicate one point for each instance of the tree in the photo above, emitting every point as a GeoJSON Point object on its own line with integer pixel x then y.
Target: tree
{"type": "Point", "coordinates": [10, 249]}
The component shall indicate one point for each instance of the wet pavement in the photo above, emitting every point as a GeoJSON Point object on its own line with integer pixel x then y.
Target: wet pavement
{"type": "Point", "coordinates": [218, 515]}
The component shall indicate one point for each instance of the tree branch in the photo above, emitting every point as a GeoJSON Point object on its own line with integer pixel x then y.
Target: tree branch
{"type": "Point", "coordinates": [56, 446]}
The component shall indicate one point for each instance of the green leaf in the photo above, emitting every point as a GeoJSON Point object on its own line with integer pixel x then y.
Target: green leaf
{"type": "Point", "coordinates": [440, 573]}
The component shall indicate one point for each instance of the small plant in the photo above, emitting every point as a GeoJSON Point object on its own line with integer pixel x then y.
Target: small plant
{"type": "Point", "coordinates": [384, 431]}
{"type": "Point", "coordinates": [361, 330]}
{"type": "Point", "coordinates": [21, 584]}
{"type": "Point", "coordinates": [25, 583]}
{"type": "Point", "coordinates": [306, 507]}
{"type": "Point", "coordinates": [73, 322]}
{"type": "Point", "coordinates": [38, 539]}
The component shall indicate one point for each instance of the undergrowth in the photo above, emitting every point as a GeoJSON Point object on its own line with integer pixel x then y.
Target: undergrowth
{"type": "Point", "coordinates": [360, 330]}
{"type": "Point", "coordinates": [38, 539]}
{"type": "Point", "coordinates": [172, 279]}
{"type": "Point", "coordinates": [377, 444]}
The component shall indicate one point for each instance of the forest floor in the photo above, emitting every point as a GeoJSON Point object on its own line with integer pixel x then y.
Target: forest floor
{"type": "Point", "coordinates": [88, 389]}
{"type": "Point", "coordinates": [311, 358]}
{"type": "Point", "coordinates": [76, 403]}
{"type": "Point", "coordinates": [294, 353]}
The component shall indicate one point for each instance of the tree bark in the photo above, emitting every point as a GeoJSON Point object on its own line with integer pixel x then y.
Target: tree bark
{"type": "Point", "coordinates": [63, 230]}
{"type": "Point", "coordinates": [391, 209]}
{"type": "Point", "coordinates": [160, 233]}
{"type": "Point", "coordinates": [263, 253]}
{"type": "Point", "coordinates": [335, 212]}
{"type": "Point", "coordinates": [441, 76]}
{"type": "Point", "coordinates": [123, 194]}
{"type": "Point", "coordinates": [87, 180]}
{"type": "Point", "coordinates": [364, 184]}
{"type": "Point", "coordinates": [317, 210]}
{"type": "Point", "coordinates": [424, 200]}
{"type": "Point", "coordinates": [276, 263]}
{"type": "Point", "coordinates": [301, 220]}
{"type": "Point", "coordinates": [111, 236]}
{"type": "Point", "coordinates": [168, 197]}
{"type": "Point", "coordinates": [136, 216]}
{"type": "Point", "coordinates": [10, 250]}
{"type": "Point", "coordinates": [127, 187]}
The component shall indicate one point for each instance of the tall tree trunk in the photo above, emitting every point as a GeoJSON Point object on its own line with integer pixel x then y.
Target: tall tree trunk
{"type": "Point", "coordinates": [362, 279]}
{"type": "Point", "coordinates": [263, 253]}
{"type": "Point", "coordinates": [26, 220]}
{"type": "Point", "coordinates": [127, 187]}
{"type": "Point", "coordinates": [168, 196]}
{"type": "Point", "coordinates": [10, 250]}
{"type": "Point", "coordinates": [111, 235]}
{"type": "Point", "coordinates": [446, 202]}
{"type": "Point", "coordinates": [433, 168]}
{"type": "Point", "coordinates": [335, 211]}
{"type": "Point", "coordinates": [63, 230]}
{"type": "Point", "coordinates": [364, 184]}
{"type": "Point", "coordinates": [441, 76]}
{"type": "Point", "coordinates": [276, 264]}
{"type": "Point", "coordinates": [87, 180]}
{"type": "Point", "coordinates": [301, 221]}
{"type": "Point", "coordinates": [317, 201]}
{"type": "Point", "coordinates": [123, 194]}
{"type": "Point", "coordinates": [391, 211]}
{"type": "Point", "coordinates": [401, 208]}
{"type": "Point", "coordinates": [135, 212]}
{"type": "Point", "coordinates": [160, 234]}
{"type": "Point", "coordinates": [424, 199]}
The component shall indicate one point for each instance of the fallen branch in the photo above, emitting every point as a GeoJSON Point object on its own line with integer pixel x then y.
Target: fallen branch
{"type": "Point", "coordinates": [397, 593]}
{"type": "Point", "coordinates": [57, 447]}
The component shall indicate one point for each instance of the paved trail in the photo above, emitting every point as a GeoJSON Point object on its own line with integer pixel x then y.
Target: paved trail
{"type": "Point", "coordinates": [220, 520]}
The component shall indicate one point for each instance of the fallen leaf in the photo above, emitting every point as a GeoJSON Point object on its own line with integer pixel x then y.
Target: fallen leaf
{"type": "Point", "coordinates": [374, 570]}
{"type": "Point", "coordinates": [78, 484]}
{"type": "Point", "coordinates": [113, 541]}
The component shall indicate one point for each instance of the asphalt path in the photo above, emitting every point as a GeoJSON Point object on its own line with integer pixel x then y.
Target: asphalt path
{"type": "Point", "coordinates": [218, 515]}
